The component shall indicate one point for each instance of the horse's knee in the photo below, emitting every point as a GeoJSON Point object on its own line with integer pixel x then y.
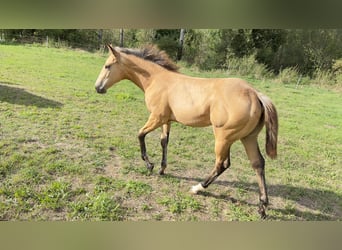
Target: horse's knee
{"type": "Point", "coordinates": [259, 165]}
{"type": "Point", "coordinates": [141, 136]}
{"type": "Point", "coordinates": [164, 142]}
{"type": "Point", "coordinates": [221, 168]}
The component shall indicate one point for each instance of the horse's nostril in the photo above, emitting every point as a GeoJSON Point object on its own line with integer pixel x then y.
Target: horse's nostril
{"type": "Point", "coordinates": [100, 90]}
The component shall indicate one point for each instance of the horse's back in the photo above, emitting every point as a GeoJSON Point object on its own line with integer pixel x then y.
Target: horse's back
{"type": "Point", "coordinates": [221, 102]}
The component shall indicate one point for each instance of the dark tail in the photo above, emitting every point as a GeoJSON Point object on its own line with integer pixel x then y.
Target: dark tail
{"type": "Point", "coordinates": [271, 124]}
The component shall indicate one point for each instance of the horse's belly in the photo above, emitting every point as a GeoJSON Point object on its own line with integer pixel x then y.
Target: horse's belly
{"type": "Point", "coordinates": [192, 119]}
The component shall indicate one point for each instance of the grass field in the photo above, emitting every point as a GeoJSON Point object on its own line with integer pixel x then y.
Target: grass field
{"type": "Point", "coordinates": [68, 153]}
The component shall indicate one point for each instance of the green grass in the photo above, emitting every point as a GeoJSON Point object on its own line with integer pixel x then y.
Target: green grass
{"type": "Point", "coordinates": [180, 203]}
{"type": "Point", "coordinates": [67, 153]}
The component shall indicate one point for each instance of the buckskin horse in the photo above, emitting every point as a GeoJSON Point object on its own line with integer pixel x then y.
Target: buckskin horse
{"type": "Point", "coordinates": [234, 109]}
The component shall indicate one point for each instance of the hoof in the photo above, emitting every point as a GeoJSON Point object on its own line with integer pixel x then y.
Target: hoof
{"type": "Point", "coordinates": [196, 189]}
{"type": "Point", "coordinates": [263, 215]}
{"type": "Point", "coordinates": [150, 166]}
{"type": "Point", "coordinates": [161, 172]}
{"type": "Point", "coordinates": [262, 212]}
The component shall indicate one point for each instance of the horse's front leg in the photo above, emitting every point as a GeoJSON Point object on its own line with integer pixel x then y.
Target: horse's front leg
{"type": "Point", "coordinates": [152, 123]}
{"type": "Point", "coordinates": [164, 140]}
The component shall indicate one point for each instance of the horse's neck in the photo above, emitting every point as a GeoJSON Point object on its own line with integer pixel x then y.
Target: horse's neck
{"type": "Point", "coordinates": [138, 80]}
{"type": "Point", "coordinates": [140, 73]}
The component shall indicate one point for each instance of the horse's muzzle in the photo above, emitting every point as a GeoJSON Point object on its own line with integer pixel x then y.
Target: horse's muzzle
{"type": "Point", "coordinates": [100, 90]}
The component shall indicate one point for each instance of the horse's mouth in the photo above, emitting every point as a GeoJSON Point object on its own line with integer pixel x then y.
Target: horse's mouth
{"type": "Point", "coordinates": [101, 90]}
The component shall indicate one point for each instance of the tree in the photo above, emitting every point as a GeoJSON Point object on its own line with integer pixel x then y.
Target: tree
{"type": "Point", "coordinates": [180, 46]}
{"type": "Point", "coordinates": [266, 43]}
{"type": "Point", "coordinates": [121, 38]}
{"type": "Point", "coordinates": [307, 50]}
{"type": "Point", "coordinates": [167, 39]}
{"type": "Point", "coordinates": [240, 44]}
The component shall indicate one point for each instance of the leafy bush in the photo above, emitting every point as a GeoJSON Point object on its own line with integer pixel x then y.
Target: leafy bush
{"type": "Point", "coordinates": [247, 66]}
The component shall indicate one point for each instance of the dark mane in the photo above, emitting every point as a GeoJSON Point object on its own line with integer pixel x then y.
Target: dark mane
{"type": "Point", "coordinates": [154, 54]}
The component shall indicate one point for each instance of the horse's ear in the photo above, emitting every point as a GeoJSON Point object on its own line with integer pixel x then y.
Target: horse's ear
{"type": "Point", "coordinates": [114, 51]}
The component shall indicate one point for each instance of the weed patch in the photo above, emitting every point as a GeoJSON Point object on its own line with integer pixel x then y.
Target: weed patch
{"type": "Point", "coordinates": [96, 207]}
{"type": "Point", "coordinates": [180, 203]}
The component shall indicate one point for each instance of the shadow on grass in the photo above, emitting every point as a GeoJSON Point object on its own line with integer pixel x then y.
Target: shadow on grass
{"type": "Point", "coordinates": [15, 95]}
{"type": "Point", "coordinates": [328, 204]}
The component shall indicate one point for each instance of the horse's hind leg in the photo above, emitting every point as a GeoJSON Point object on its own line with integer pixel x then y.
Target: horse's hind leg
{"type": "Point", "coordinates": [164, 140]}
{"type": "Point", "coordinates": [222, 151]}
{"type": "Point", "coordinates": [258, 163]}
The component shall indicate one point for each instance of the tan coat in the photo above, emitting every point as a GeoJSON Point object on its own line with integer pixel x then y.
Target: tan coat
{"type": "Point", "coordinates": [235, 110]}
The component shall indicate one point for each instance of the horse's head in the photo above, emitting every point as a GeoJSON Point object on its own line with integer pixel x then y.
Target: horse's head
{"type": "Point", "coordinates": [111, 72]}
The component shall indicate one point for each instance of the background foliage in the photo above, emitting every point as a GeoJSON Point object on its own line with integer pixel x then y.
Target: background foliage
{"type": "Point", "coordinates": [311, 52]}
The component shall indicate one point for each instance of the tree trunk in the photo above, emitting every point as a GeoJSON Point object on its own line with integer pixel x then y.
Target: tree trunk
{"type": "Point", "coordinates": [121, 37]}
{"type": "Point", "coordinates": [180, 45]}
{"type": "Point", "coordinates": [100, 37]}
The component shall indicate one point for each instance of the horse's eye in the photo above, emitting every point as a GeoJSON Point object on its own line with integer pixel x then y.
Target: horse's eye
{"type": "Point", "coordinates": [107, 66]}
